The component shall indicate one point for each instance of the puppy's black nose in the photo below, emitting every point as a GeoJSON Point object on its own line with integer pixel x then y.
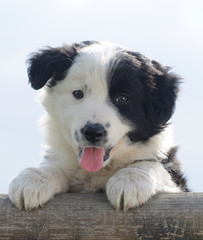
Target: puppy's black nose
{"type": "Point", "coordinates": [93, 132]}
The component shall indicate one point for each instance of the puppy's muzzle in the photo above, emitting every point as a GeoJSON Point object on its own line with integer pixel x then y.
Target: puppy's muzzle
{"type": "Point", "coordinates": [94, 133]}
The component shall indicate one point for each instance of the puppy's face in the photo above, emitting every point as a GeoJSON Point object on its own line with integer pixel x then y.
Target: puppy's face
{"type": "Point", "coordinates": [100, 93]}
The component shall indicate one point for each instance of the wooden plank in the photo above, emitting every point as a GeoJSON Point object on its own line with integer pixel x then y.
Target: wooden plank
{"type": "Point", "coordinates": [90, 216]}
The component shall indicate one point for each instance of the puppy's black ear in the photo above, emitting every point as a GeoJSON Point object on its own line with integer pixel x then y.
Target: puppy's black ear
{"type": "Point", "coordinates": [162, 93]}
{"type": "Point", "coordinates": [49, 63]}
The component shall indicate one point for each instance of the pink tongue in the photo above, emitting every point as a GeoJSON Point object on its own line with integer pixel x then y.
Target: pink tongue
{"type": "Point", "coordinates": [92, 159]}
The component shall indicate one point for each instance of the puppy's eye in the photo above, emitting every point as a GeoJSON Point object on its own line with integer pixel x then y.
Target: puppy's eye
{"type": "Point", "coordinates": [121, 99]}
{"type": "Point", "coordinates": [78, 94]}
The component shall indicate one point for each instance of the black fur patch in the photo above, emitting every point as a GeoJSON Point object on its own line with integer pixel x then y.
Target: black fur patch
{"type": "Point", "coordinates": [151, 91]}
{"type": "Point", "coordinates": [52, 64]}
{"type": "Point", "coordinates": [172, 165]}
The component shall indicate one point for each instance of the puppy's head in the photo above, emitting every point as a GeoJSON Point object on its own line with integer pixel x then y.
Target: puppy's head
{"type": "Point", "coordinates": [99, 93]}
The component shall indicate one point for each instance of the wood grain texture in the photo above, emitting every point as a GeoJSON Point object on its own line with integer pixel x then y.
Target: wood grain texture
{"type": "Point", "coordinates": [91, 217]}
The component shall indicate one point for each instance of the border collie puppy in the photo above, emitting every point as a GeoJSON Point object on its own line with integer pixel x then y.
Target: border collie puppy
{"type": "Point", "coordinates": [106, 126]}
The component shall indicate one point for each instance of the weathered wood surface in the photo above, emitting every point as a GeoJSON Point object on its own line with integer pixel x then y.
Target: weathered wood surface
{"type": "Point", "coordinates": [91, 217]}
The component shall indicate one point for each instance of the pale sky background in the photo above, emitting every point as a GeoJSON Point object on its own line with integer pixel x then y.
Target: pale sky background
{"type": "Point", "coordinates": [169, 31]}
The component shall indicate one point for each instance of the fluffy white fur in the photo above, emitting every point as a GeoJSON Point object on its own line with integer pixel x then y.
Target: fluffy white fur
{"type": "Point", "coordinates": [126, 182]}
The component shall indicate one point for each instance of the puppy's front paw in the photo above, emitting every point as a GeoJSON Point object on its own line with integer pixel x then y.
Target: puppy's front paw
{"type": "Point", "coordinates": [30, 189]}
{"type": "Point", "coordinates": [129, 188]}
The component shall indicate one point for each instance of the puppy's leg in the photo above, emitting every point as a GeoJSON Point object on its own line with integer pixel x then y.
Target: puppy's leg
{"type": "Point", "coordinates": [35, 186]}
{"type": "Point", "coordinates": [134, 185]}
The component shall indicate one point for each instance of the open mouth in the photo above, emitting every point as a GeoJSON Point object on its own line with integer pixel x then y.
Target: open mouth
{"type": "Point", "coordinates": [92, 158]}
